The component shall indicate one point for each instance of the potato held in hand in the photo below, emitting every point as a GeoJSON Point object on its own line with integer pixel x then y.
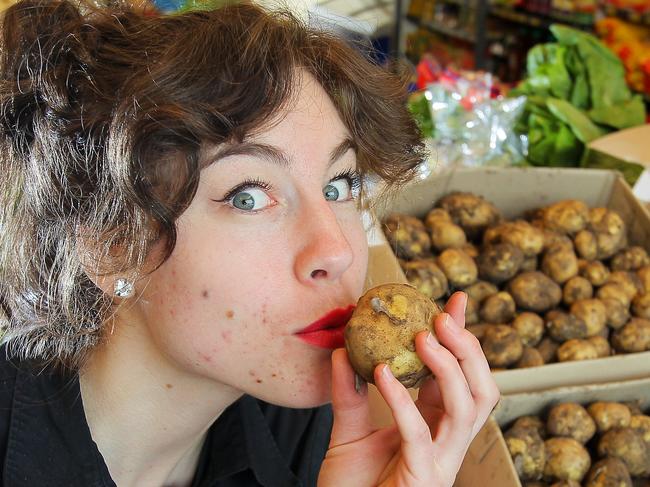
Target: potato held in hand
{"type": "Point", "coordinates": [383, 329]}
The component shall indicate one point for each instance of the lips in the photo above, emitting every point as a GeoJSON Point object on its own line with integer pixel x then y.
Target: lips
{"type": "Point", "coordinates": [327, 332]}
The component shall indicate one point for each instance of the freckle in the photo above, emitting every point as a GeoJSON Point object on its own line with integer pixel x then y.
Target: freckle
{"type": "Point", "coordinates": [274, 375]}
{"type": "Point", "coordinates": [168, 386]}
{"type": "Point", "coordinates": [230, 313]}
{"type": "Point", "coordinates": [251, 373]}
{"type": "Point", "coordinates": [259, 381]}
{"type": "Point", "coordinates": [204, 294]}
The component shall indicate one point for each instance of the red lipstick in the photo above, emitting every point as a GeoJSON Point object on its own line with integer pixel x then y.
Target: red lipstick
{"type": "Point", "coordinates": [327, 332]}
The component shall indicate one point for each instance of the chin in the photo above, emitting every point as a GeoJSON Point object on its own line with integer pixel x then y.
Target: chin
{"type": "Point", "coordinates": [309, 394]}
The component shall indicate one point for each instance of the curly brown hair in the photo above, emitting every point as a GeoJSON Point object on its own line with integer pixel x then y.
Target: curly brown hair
{"type": "Point", "coordinates": [105, 113]}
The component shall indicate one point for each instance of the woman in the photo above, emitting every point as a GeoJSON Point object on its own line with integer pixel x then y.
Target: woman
{"type": "Point", "coordinates": [180, 230]}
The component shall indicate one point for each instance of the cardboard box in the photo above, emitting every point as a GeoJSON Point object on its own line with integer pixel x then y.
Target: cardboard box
{"type": "Point", "coordinates": [513, 191]}
{"type": "Point", "coordinates": [513, 406]}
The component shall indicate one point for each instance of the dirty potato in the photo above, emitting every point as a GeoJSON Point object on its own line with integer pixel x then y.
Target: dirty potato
{"type": "Point", "coordinates": [562, 326]}
{"type": "Point", "coordinates": [608, 472]}
{"type": "Point", "coordinates": [460, 268]}
{"type": "Point", "coordinates": [572, 420]}
{"type": "Point", "coordinates": [481, 290]}
{"type": "Point", "coordinates": [446, 235]}
{"type": "Point", "coordinates": [575, 289]}
{"type": "Point", "coordinates": [498, 308]}
{"type": "Point", "coordinates": [426, 277]}
{"type": "Point", "coordinates": [632, 337]}
{"type": "Point", "coordinates": [436, 215]}
{"type": "Point", "coordinates": [644, 278]}
{"type": "Point", "coordinates": [627, 445]}
{"type": "Point", "coordinates": [641, 305]}
{"type": "Point", "coordinates": [530, 358]}
{"type": "Point", "coordinates": [472, 212]}
{"type": "Point", "coordinates": [568, 216]}
{"type": "Point", "coordinates": [630, 259]}
{"type": "Point", "coordinates": [617, 313]}
{"type": "Point", "coordinates": [526, 448]}
{"type": "Point", "coordinates": [586, 245]}
{"type": "Point", "coordinates": [560, 263]}
{"type": "Point", "coordinates": [614, 291]}
{"type": "Point", "coordinates": [576, 349]}
{"type": "Point", "coordinates": [499, 262]}
{"type": "Point", "coordinates": [535, 291]}
{"type": "Point", "coordinates": [478, 330]}
{"type": "Point", "coordinates": [407, 236]}
{"type": "Point", "coordinates": [382, 329]}
{"type": "Point", "coordinates": [610, 231]}
{"type": "Point", "coordinates": [595, 272]}
{"type": "Point", "coordinates": [472, 311]}
{"type": "Point", "coordinates": [601, 344]}
{"type": "Point", "coordinates": [609, 414]}
{"type": "Point", "coordinates": [531, 421]}
{"type": "Point", "coordinates": [592, 312]}
{"type": "Point", "coordinates": [471, 250]}
{"type": "Point", "coordinates": [547, 348]}
{"type": "Point", "coordinates": [641, 424]}
{"type": "Point", "coordinates": [629, 281]}
{"type": "Point", "coordinates": [530, 327]}
{"type": "Point", "coordinates": [520, 233]}
{"type": "Point", "coordinates": [502, 346]}
{"type": "Point", "coordinates": [566, 459]}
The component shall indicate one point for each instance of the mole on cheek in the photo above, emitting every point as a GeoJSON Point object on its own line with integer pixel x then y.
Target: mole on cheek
{"type": "Point", "coordinates": [204, 293]}
{"type": "Point", "coordinates": [230, 313]}
{"type": "Point", "coordinates": [168, 386]}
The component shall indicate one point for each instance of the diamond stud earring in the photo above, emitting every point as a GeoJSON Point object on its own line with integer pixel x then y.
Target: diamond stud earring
{"type": "Point", "coordinates": [123, 288]}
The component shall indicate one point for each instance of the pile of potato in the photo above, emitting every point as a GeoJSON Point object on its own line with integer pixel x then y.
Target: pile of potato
{"type": "Point", "coordinates": [606, 444]}
{"type": "Point", "coordinates": [559, 284]}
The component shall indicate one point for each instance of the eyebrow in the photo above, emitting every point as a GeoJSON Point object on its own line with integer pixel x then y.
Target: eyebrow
{"type": "Point", "coordinates": [274, 154]}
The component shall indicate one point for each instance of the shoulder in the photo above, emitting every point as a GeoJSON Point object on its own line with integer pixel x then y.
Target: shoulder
{"type": "Point", "coordinates": [8, 372]}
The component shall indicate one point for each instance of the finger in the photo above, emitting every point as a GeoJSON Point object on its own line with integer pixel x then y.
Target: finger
{"type": "Point", "coordinates": [351, 408]}
{"type": "Point", "coordinates": [456, 306]}
{"type": "Point", "coordinates": [471, 359]}
{"type": "Point", "coordinates": [415, 433]}
{"type": "Point", "coordinates": [456, 426]}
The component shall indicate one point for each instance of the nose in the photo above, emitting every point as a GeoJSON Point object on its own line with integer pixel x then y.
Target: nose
{"type": "Point", "coordinates": [324, 252]}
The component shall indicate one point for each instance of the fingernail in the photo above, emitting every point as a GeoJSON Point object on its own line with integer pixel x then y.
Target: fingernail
{"type": "Point", "coordinates": [465, 305]}
{"type": "Point", "coordinates": [359, 384]}
{"type": "Point", "coordinates": [432, 342]}
{"type": "Point", "coordinates": [451, 325]}
{"type": "Point", "coordinates": [387, 373]}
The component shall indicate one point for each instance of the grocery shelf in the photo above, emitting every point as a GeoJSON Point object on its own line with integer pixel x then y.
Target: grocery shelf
{"type": "Point", "coordinates": [454, 33]}
{"type": "Point", "coordinates": [627, 14]}
{"type": "Point", "coordinates": [541, 20]}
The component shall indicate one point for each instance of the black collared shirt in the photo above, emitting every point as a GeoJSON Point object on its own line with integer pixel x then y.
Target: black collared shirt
{"type": "Point", "coordinates": [45, 439]}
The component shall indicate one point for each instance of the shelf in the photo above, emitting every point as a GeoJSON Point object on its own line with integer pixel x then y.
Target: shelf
{"type": "Point", "coordinates": [626, 14]}
{"type": "Point", "coordinates": [539, 20]}
{"type": "Point", "coordinates": [454, 33]}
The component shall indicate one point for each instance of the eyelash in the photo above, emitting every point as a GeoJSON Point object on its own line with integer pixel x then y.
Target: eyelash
{"type": "Point", "coordinates": [247, 184]}
{"type": "Point", "coordinates": [353, 177]}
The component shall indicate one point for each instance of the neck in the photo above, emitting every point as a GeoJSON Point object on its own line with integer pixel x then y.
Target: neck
{"type": "Point", "coordinates": [148, 417]}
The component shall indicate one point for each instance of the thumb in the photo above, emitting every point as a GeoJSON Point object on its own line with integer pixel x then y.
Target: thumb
{"type": "Point", "coordinates": [351, 409]}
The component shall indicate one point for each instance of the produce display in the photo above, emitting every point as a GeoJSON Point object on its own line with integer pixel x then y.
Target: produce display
{"type": "Point", "coordinates": [606, 444]}
{"type": "Point", "coordinates": [576, 92]}
{"type": "Point", "coordinates": [560, 283]}
{"type": "Point", "coordinates": [382, 329]}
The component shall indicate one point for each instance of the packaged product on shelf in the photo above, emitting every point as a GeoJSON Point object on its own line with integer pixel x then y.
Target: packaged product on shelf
{"type": "Point", "coordinates": [470, 123]}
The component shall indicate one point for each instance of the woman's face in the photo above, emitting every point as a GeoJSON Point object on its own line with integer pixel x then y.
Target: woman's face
{"type": "Point", "coordinates": [271, 244]}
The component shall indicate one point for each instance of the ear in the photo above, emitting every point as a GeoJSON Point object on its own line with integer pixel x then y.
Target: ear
{"type": "Point", "coordinates": [101, 263]}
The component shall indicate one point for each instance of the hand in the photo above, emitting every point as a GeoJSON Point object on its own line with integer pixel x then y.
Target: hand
{"type": "Point", "coordinates": [427, 443]}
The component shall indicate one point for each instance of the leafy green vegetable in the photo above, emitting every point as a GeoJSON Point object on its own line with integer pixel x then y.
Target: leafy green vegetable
{"type": "Point", "coordinates": [576, 92]}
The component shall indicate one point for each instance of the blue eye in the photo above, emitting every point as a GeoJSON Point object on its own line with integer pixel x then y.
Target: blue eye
{"type": "Point", "coordinates": [251, 199]}
{"type": "Point", "coordinates": [338, 190]}
{"type": "Point", "coordinates": [343, 187]}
